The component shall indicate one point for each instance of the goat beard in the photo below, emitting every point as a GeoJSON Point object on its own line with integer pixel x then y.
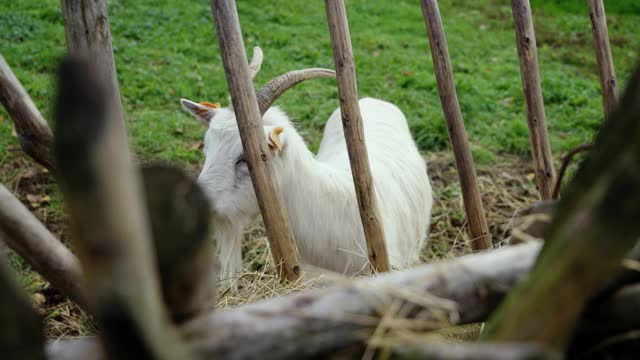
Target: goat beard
{"type": "Point", "coordinates": [228, 236]}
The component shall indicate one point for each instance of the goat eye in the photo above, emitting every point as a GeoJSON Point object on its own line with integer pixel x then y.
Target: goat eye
{"type": "Point", "coordinates": [241, 160]}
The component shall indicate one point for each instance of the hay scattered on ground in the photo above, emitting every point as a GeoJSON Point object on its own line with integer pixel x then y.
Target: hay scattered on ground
{"type": "Point", "coordinates": [505, 187]}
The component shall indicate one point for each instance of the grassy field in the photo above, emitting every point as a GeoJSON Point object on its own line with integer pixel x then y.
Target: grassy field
{"type": "Point", "coordinates": [165, 51]}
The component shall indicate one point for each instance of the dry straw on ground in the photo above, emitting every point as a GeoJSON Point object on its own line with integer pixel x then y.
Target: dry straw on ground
{"type": "Point", "coordinates": [505, 186]}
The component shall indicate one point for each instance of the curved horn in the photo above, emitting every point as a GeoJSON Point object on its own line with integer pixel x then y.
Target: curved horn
{"type": "Point", "coordinates": [276, 87]}
{"type": "Point", "coordinates": [256, 62]}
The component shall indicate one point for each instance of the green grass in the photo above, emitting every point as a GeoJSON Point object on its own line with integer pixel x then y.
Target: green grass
{"type": "Point", "coordinates": [165, 51]}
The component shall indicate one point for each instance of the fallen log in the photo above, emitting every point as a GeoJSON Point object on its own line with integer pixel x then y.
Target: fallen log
{"type": "Point", "coordinates": [26, 235]}
{"type": "Point", "coordinates": [316, 323]}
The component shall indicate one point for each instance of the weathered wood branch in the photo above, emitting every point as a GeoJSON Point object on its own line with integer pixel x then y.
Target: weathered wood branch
{"type": "Point", "coordinates": [480, 235]}
{"type": "Point", "coordinates": [23, 233]}
{"type": "Point", "coordinates": [579, 257]}
{"type": "Point", "coordinates": [245, 105]}
{"type": "Point", "coordinates": [21, 335]}
{"type": "Point", "coordinates": [104, 196]}
{"type": "Point", "coordinates": [354, 135]}
{"type": "Point", "coordinates": [316, 323]}
{"type": "Point", "coordinates": [33, 132]}
{"type": "Point", "coordinates": [180, 214]}
{"type": "Point", "coordinates": [488, 351]}
{"type": "Point", "coordinates": [530, 74]}
{"type": "Point", "coordinates": [608, 82]}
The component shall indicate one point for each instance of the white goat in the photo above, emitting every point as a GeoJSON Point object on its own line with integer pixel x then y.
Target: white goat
{"type": "Point", "coordinates": [318, 190]}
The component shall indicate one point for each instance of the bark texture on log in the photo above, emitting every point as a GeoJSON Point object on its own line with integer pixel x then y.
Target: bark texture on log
{"type": "Point", "coordinates": [104, 196]}
{"type": "Point", "coordinates": [608, 82]}
{"type": "Point", "coordinates": [480, 235]}
{"type": "Point", "coordinates": [256, 150]}
{"type": "Point", "coordinates": [33, 131]}
{"type": "Point", "coordinates": [354, 135]}
{"type": "Point", "coordinates": [321, 322]}
{"type": "Point", "coordinates": [466, 351]}
{"type": "Point", "coordinates": [579, 257]}
{"type": "Point", "coordinates": [41, 250]}
{"type": "Point", "coordinates": [21, 335]}
{"type": "Point", "coordinates": [538, 135]}
{"type": "Point", "coordinates": [180, 214]}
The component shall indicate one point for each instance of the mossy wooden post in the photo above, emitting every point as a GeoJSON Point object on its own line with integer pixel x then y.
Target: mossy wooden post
{"type": "Point", "coordinates": [109, 224]}
{"type": "Point", "coordinates": [86, 26]}
{"type": "Point", "coordinates": [34, 134]}
{"type": "Point", "coordinates": [481, 238]}
{"type": "Point", "coordinates": [601, 204]}
{"type": "Point", "coordinates": [180, 215]}
{"type": "Point", "coordinates": [41, 250]}
{"type": "Point", "coordinates": [608, 82]}
{"type": "Point", "coordinates": [354, 135]}
{"type": "Point", "coordinates": [256, 150]}
{"type": "Point", "coordinates": [530, 74]}
{"type": "Point", "coordinates": [21, 333]}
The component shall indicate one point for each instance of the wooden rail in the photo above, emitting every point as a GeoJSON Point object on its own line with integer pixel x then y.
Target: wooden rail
{"type": "Point", "coordinates": [481, 238]}
{"type": "Point", "coordinates": [608, 82]}
{"type": "Point", "coordinates": [354, 134]}
{"type": "Point", "coordinates": [245, 105]}
{"type": "Point", "coordinates": [538, 135]}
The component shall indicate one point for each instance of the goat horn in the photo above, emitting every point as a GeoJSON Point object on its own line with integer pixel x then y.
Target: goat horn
{"type": "Point", "coordinates": [276, 87]}
{"type": "Point", "coordinates": [256, 62]}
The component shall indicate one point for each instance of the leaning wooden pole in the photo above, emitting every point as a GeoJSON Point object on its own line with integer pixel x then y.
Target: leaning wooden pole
{"type": "Point", "coordinates": [530, 74]}
{"type": "Point", "coordinates": [608, 82]}
{"type": "Point", "coordinates": [34, 134]}
{"type": "Point", "coordinates": [48, 256]}
{"type": "Point", "coordinates": [481, 238]}
{"type": "Point", "coordinates": [256, 150]}
{"type": "Point", "coordinates": [354, 134]}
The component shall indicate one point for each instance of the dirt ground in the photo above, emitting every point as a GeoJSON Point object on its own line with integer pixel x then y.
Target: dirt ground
{"type": "Point", "coordinates": [506, 186]}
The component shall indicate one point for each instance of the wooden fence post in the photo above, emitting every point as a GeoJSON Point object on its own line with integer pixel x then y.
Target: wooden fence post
{"type": "Point", "coordinates": [538, 135]}
{"type": "Point", "coordinates": [354, 135]}
{"type": "Point", "coordinates": [608, 82]}
{"type": "Point", "coordinates": [86, 27]}
{"type": "Point", "coordinates": [103, 194]}
{"type": "Point", "coordinates": [481, 238]}
{"type": "Point", "coordinates": [245, 105]}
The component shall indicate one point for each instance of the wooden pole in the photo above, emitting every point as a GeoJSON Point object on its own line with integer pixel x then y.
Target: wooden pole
{"type": "Point", "coordinates": [245, 105]}
{"type": "Point", "coordinates": [21, 334]}
{"type": "Point", "coordinates": [481, 238]}
{"type": "Point", "coordinates": [34, 134]}
{"type": "Point", "coordinates": [86, 26]}
{"type": "Point", "coordinates": [180, 215]}
{"type": "Point", "coordinates": [354, 134]}
{"type": "Point", "coordinates": [608, 82]}
{"type": "Point", "coordinates": [530, 74]}
{"type": "Point", "coordinates": [103, 194]}
{"type": "Point", "coordinates": [23, 233]}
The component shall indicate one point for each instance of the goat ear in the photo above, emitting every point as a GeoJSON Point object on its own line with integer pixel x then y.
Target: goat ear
{"type": "Point", "coordinates": [204, 111]}
{"type": "Point", "coordinates": [275, 137]}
